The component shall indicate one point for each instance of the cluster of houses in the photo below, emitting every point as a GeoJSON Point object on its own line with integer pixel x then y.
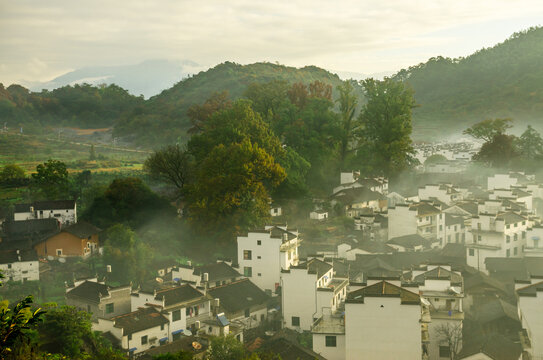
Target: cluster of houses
{"type": "Point", "coordinates": [453, 271]}
{"type": "Point", "coordinates": [47, 230]}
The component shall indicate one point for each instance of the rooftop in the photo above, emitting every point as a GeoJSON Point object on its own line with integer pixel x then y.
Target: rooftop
{"type": "Point", "coordinates": [239, 295]}
{"type": "Point", "coordinates": [384, 289]}
{"type": "Point", "coordinates": [139, 320]}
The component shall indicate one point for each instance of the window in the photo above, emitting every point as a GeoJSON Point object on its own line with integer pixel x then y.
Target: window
{"type": "Point", "coordinates": [295, 321]}
{"type": "Point", "coordinates": [259, 274]}
{"type": "Point", "coordinates": [515, 251]}
{"type": "Point", "coordinates": [479, 238]}
{"type": "Point", "coordinates": [444, 351]}
{"type": "Point", "coordinates": [508, 239]}
{"type": "Point", "coordinates": [110, 308]}
{"type": "Point", "coordinates": [176, 336]}
{"type": "Point", "coordinates": [516, 224]}
{"type": "Point", "coordinates": [248, 271]}
{"type": "Point", "coordinates": [176, 315]}
{"type": "Point", "coordinates": [508, 226]}
{"type": "Point", "coordinates": [9, 266]}
{"type": "Point", "coordinates": [330, 341]}
{"type": "Point", "coordinates": [524, 223]}
{"type": "Point", "coordinates": [536, 243]}
{"type": "Point", "coordinates": [478, 226]}
{"type": "Point", "coordinates": [129, 337]}
{"type": "Point", "coordinates": [463, 238]}
{"type": "Point", "coordinates": [217, 283]}
{"type": "Point", "coordinates": [449, 238]}
{"type": "Point", "coordinates": [440, 227]}
{"type": "Point", "coordinates": [144, 339]}
{"type": "Point", "coordinates": [524, 234]}
{"type": "Point", "coordinates": [471, 252]}
{"type": "Point", "coordinates": [457, 237]}
{"type": "Point", "coordinates": [247, 313]}
{"type": "Point", "coordinates": [59, 252]}
{"type": "Point", "coordinates": [247, 255]}
{"type": "Point", "coordinates": [508, 253]}
{"type": "Point", "coordinates": [162, 327]}
{"type": "Point", "coordinates": [259, 242]}
{"type": "Point", "coordinates": [259, 257]}
{"type": "Point", "coordinates": [187, 311]}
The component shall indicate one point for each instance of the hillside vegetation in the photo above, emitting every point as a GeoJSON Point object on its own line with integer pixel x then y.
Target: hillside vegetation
{"type": "Point", "coordinates": [164, 117]}
{"type": "Point", "coordinates": [503, 81]}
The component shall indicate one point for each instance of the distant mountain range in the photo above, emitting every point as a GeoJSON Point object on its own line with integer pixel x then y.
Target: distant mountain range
{"type": "Point", "coordinates": [147, 78]}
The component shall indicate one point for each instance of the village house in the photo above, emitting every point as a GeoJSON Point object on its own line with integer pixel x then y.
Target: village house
{"type": "Point", "coordinates": [318, 214]}
{"type": "Point", "coordinates": [80, 239]}
{"type": "Point", "coordinates": [182, 305]}
{"type": "Point", "coordinates": [276, 210]}
{"type": "Point", "coordinates": [307, 289]}
{"type": "Point", "coordinates": [502, 235]}
{"type": "Point", "coordinates": [494, 347]}
{"type": "Point", "coordinates": [349, 249]}
{"type": "Point", "coordinates": [452, 230]}
{"type": "Point", "coordinates": [20, 265]}
{"type": "Point", "coordinates": [534, 242]}
{"type": "Point", "coordinates": [136, 331]}
{"type": "Point", "coordinates": [355, 201]}
{"type": "Point", "coordinates": [443, 291]}
{"type": "Point", "coordinates": [445, 193]}
{"type": "Point", "coordinates": [242, 302]}
{"type": "Point", "coordinates": [209, 275]}
{"type": "Point", "coordinates": [530, 303]}
{"type": "Point", "coordinates": [506, 181]}
{"type": "Point", "coordinates": [409, 243]}
{"type": "Point", "coordinates": [65, 211]}
{"type": "Point", "coordinates": [99, 299]}
{"type": "Point", "coordinates": [263, 253]}
{"type": "Point", "coordinates": [421, 218]}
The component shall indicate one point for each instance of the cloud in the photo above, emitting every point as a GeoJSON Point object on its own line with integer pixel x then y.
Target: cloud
{"type": "Point", "coordinates": [349, 35]}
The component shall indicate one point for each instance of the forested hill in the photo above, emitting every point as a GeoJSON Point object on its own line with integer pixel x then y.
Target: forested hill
{"type": "Point", "coordinates": [83, 106]}
{"type": "Point", "coordinates": [503, 81]}
{"type": "Point", "coordinates": [163, 118]}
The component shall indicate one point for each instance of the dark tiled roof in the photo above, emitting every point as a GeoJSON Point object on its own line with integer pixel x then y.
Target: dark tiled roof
{"type": "Point", "coordinates": [409, 241]}
{"type": "Point", "coordinates": [424, 208]}
{"type": "Point", "coordinates": [139, 320]}
{"type": "Point", "coordinates": [177, 295]}
{"type": "Point", "coordinates": [288, 350]}
{"type": "Point", "coordinates": [530, 290]}
{"type": "Point", "coordinates": [451, 220]}
{"type": "Point", "coordinates": [510, 269]}
{"type": "Point", "coordinates": [46, 205]}
{"type": "Point", "coordinates": [439, 273]}
{"type": "Point", "coordinates": [480, 281]}
{"type": "Point", "coordinates": [495, 346]}
{"type": "Point", "coordinates": [82, 229]}
{"type": "Point", "coordinates": [497, 310]}
{"type": "Point", "coordinates": [11, 256]}
{"type": "Point", "coordinates": [318, 266]}
{"type": "Point", "coordinates": [375, 247]}
{"type": "Point", "coordinates": [356, 195]}
{"type": "Point", "coordinates": [183, 344]}
{"type": "Point", "coordinates": [384, 289]}
{"type": "Point", "coordinates": [33, 226]}
{"type": "Point", "coordinates": [89, 290]}
{"type": "Point", "coordinates": [510, 218]}
{"type": "Point", "coordinates": [454, 250]}
{"type": "Point", "coordinates": [217, 271]}
{"type": "Point", "coordinates": [239, 295]}
{"type": "Point", "coordinates": [470, 207]}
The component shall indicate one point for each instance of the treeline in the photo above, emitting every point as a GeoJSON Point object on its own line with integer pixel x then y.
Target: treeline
{"type": "Point", "coordinates": [79, 106]}
{"type": "Point", "coordinates": [287, 141]}
{"type": "Point", "coordinates": [503, 81]}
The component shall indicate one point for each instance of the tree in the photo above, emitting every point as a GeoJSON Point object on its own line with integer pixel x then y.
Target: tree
{"type": "Point", "coordinates": [386, 126]}
{"type": "Point", "coordinates": [51, 178]}
{"type": "Point", "coordinates": [226, 348]}
{"type": "Point", "coordinates": [16, 322]}
{"type": "Point", "coordinates": [347, 106]}
{"type": "Point", "coordinates": [452, 334]}
{"type": "Point", "coordinates": [232, 187]}
{"type": "Point", "coordinates": [498, 152]}
{"type": "Point", "coordinates": [199, 114]}
{"type": "Point", "coordinates": [11, 173]}
{"type": "Point", "coordinates": [434, 159]}
{"type": "Point", "coordinates": [92, 153]}
{"type": "Point", "coordinates": [172, 164]}
{"type": "Point", "coordinates": [487, 129]}
{"type": "Point", "coordinates": [318, 89]}
{"type": "Point", "coordinates": [181, 355]}
{"type": "Point", "coordinates": [298, 94]}
{"type": "Point", "coordinates": [267, 98]}
{"type": "Point", "coordinates": [530, 144]}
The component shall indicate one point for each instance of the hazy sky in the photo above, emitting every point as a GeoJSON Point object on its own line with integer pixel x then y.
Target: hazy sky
{"type": "Point", "coordinates": [41, 39]}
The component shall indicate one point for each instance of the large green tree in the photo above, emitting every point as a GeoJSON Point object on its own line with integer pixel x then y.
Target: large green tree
{"type": "Point", "coordinates": [487, 129]}
{"type": "Point", "coordinates": [232, 188]}
{"type": "Point", "coordinates": [499, 152]}
{"type": "Point", "coordinates": [349, 125]}
{"type": "Point", "coordinates": [51, 179]}
{"type": "Point", "coordinates": [530, 144]}
{"type": "Point", "coordinates": [172, 164]}
{"type": "Point", "coordinates": [386, 126]}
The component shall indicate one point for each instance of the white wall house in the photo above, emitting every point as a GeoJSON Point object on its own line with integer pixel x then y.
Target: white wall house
{"type": "Point", "coordinates": [383, 321]}
{"type": "Point", "coordinates": [420, 218]}
{"type": "Point", "coordinates": [530, 303]}
{"type": "Point", "coordinates": [443, 192]}
{"type": "Point", "coordinates": [99, 299]}
{"type": "Point", "coordinates": [443, 289]}
{"type": "Point", "coordinates": [452, 230]}
{"type": "Point", "coordinates": [137, 331]}
{"type": "Point", "coordinates": [65, 211]}
{"type": "Point", "coordinates": [318, 215]}
{"type": "Point", "coordinates": [20, 265]}
{"type": "Point", "coordinates": [534, 241]}
{"type": "Point", "coordinates": [276, 210]}
{"type": "Point", "coordinates": [263, 253]}
{"type": "Point", "coordinates": [306, 290]}
{"type": "Point", "coordinates": [181, 305]}
{"type": "Point", "coordinates": [502, 235]}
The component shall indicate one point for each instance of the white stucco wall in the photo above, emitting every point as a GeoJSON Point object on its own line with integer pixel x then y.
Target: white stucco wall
{"type": "Point", "coordinates": [401, 221]}
{"type": "Point", "coordinates": [299, 298]}
{"type": "Point", "coordinates": [330, 353]}
{"type": "Point", "coordinates": [532, 320]}
{"type": "Point", "coordinates": [21, 270]}
{"type": "Point", "coordinates": [390, 332]}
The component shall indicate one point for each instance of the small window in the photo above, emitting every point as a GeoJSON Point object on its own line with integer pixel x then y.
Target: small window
{"type": "Point", "coordinates": [259, 274]}
{"type": "Point", "coordinates": [144, 340]}
{"type": "Point", "coordinates": [176, 315]}
{"type": "Point", "coordinates": [59, 252]}
{"type": "Point", "coordinates": [507, 226]}
{"type": "Point", "coordinates": [9, 266]}
{"type": "Point", "coordinates": [247, 255]}
{"type": "Point", "coordinates": [444, 351]}
{"type": "Point", "coordinates": [248, 271]}
{"type": "Point", "coordinates": [508, 253]}
{"type": "Point", "coordinates": [330, 341]}
{"type": "Point", "coordinates": [471, 252]}
{"type": "Point", "coordinates": [295, 321]}
{"type": "Point", "coordinates": [259, 242]}
{"type": "Point", "coordinates": [247, 312]}
{"type": "Point", "coordinates": [515, 237]}
{"type": "Point", "coordinates": [259, 257]}
{"type": "Point", "coordinates": [162, 327]}
{"type": "Point", "coordinates": [515, 251]}
{"type": "Point", "coordinates": [129, 337]}
{"type": "Point", "coordinates": [516, 224]}
{"type": "Point", "coordinates": [110, 308]}
{"type": "Point", "coordinates": [508, 239]}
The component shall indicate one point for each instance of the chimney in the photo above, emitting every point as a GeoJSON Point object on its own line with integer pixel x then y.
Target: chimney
{"type": "Point", "coordinates": [108, 268]}
{"type": "Point", "coordinates": [206, 277]}
{"type": "Point", "coordinates": [285, 236]}
{"type": "Point", "coordinates": [189, 263]}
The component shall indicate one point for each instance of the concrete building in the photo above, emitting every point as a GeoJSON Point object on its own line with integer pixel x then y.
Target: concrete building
{"type": "Point", "coordinates": [65, 211]}
{"type": "Point", "coordinates": [263, 253]}
{"type": "Point", "coordinates": [445, 193]}
{"type": "Point", "coordinates": [20, 265]}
